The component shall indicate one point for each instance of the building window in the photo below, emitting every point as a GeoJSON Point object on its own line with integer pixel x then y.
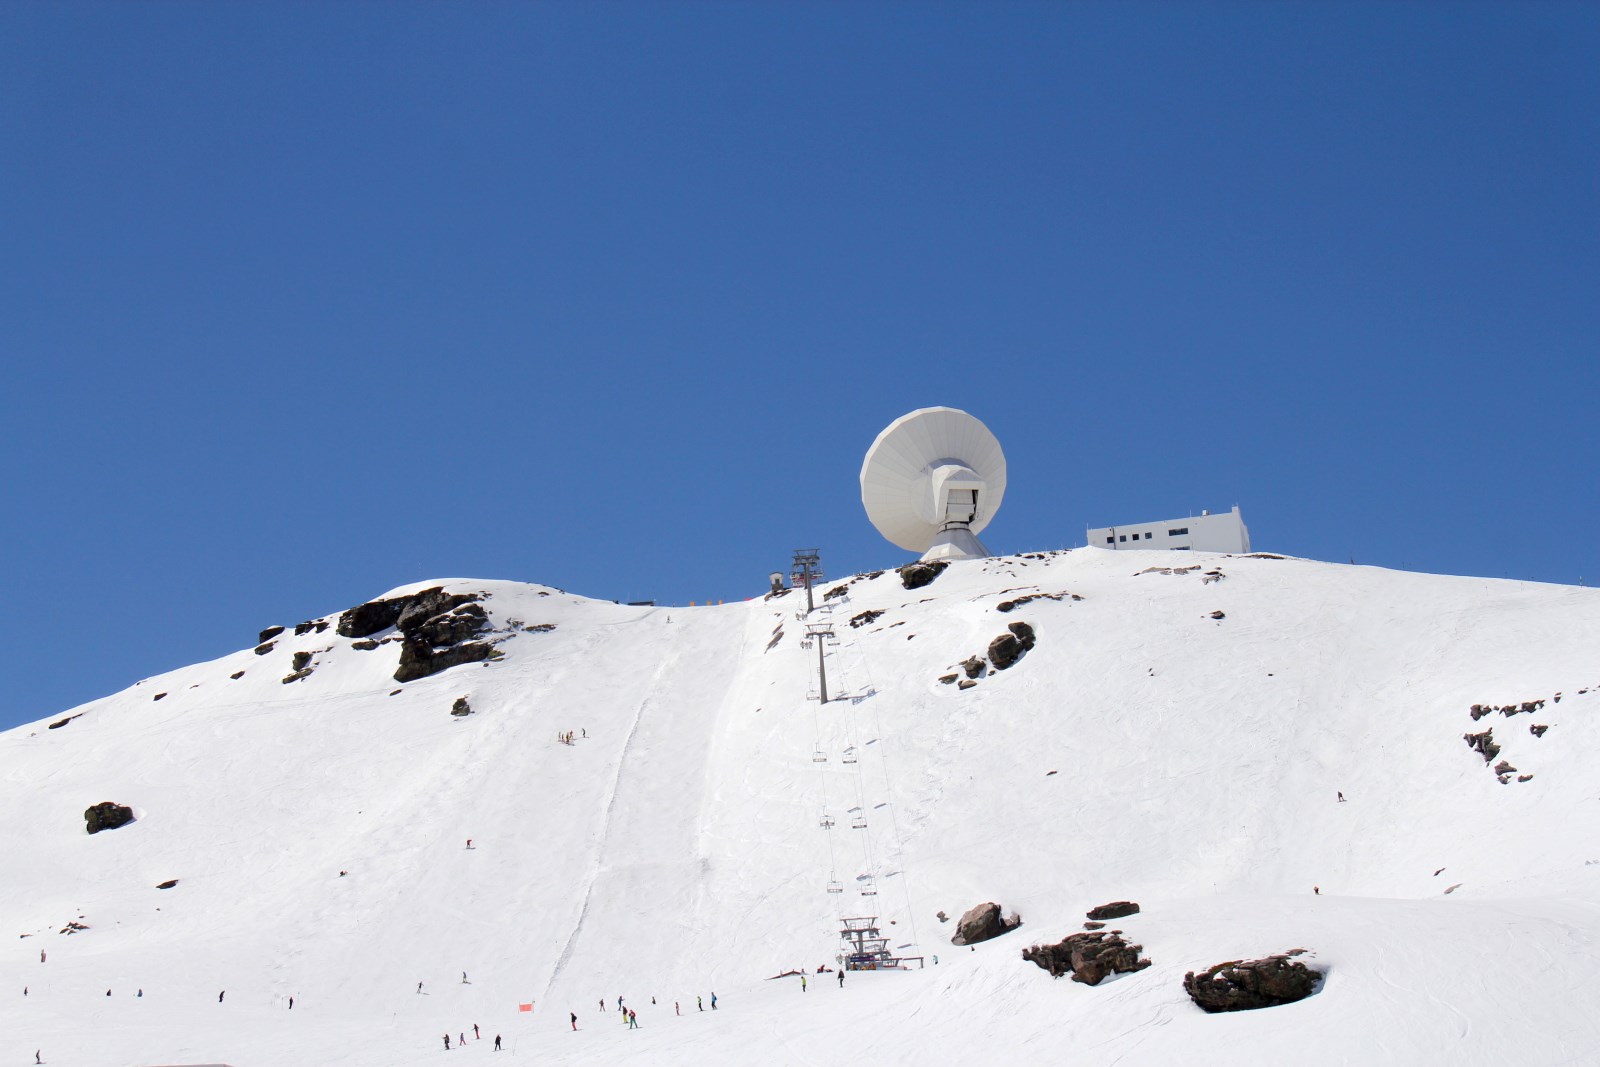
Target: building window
{"type": "Point", "coordinates": [1122, 537]}
{"type": "Point", "coordinates": [1148, 536]}
{"type": "Point", "coordinates": [1179, 532]}
{"type": "Point", "coordinates": [1111, 540]}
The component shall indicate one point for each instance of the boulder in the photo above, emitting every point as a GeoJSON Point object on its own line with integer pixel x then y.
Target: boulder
{"type": "Point", "coordinates": [268, 634]}
{"type": "Point", "coordinates": [461, 707]}
{"type": "Point", "coordinates": [107, 815]}
{"type": "Point", "coordinates": [1242, 985]}
{"type": "Point", "coordinates": [1090, 957]}
{"type": "Point", "coordinates": [168, 884]}
{"type": "Point", "coordinates": [918, 574]}
{"type": "Point", "coordinates": [1010, 647]}
{"type": "Point", "coordinates": [418, 659]}
{"type": "Point", "coordinates": [365, 644]}
{"type": "Point", "coordinates": [973, 666]}
{"type": "Point", "coordinates": [265, 647]}
{"type": "Point", "coordinates": [1483, 744]}
{"type": "Point", "coordinates": [1115, 910]}
{"type": "Point", "coordinates": [302, 660]}
{"type": "Point", "coordinates": [981, 923]}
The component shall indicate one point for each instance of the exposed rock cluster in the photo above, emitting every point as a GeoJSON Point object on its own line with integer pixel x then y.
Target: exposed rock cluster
{"type": "Point", "coordinates": [1241, 985]}
{"type": "Point", "coordinates": [1089, 957]}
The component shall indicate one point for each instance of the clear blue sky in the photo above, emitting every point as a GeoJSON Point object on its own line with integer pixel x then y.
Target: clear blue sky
{"type": "Point", "coordinates": [303, 301]}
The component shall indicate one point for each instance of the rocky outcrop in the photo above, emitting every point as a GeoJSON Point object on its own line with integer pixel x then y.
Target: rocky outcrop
{"type": "Point", "coordinates": [461, 707]}
{"type": "Point", "coordinates": [1242, 985]}
{"type": "Point", "coordinates": [302, 660]}
{"type": "Point", "coordinates": [1483, 744]}
{"type": "Point", "coordinates": [405, 612]}
{"type": "Point", "coordinates": [418, 659]}
{"type": "Point", "coordinates": [918, 574]}
{"type": "Point", "coordinates": [264, 648]}
{"type": "Point", "coordinates": [1010, 647]}
{"type": "Point", "coordinates": [973, 666]}
{"type": "Point", "coordinates": [1117, 909]}
{"type": "Point", "coordinates": [983, 922]}
{"type": "Point", "coordinates": [1089, 957]}
{"type": "Point", "coordinates": [268, 634]}
{"type": "Point", "coordinates": [168, 884]}
{"type": "Point", "coordinates": [107, 815]}
{"type": "Point", "coordinates": [866, 618]}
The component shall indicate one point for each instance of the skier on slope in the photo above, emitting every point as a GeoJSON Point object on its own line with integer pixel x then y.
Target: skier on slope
{"type": "Point", "coordinates": [447, 1042]}
{"type": "Point", "coordinates": [802, 983]}
{"type": "Point", "coordinates": [575, 1016]}
{"type": "Point", "coordinates": [699, 1002]}
{"type": "Point", "coordinates": [713, 1000]}
{"type": "Point", "coordinates": [841, 977]}
{"type": "Point", "coordinates": [497, 1042]}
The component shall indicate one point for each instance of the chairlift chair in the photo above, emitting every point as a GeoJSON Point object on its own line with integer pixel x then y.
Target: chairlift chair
{"type": "Point", "coordinates": [835, 886]}
{"type": "Point", "coordinates": [858, 823]}
{"type": "Point", "coordinates": [825, 821]}
{"type": "Point", "coordinates": [819, 756]}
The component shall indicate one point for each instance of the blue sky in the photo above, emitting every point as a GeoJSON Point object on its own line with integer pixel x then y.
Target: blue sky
{"type": "Point", "coordinates": [303, 301]}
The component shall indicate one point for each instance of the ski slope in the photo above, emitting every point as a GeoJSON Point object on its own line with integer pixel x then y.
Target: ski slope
{"type": "Point", "coordinates": [677, 849]}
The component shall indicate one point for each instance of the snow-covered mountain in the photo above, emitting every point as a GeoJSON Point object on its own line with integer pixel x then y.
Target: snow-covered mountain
{"type": "Point", "coordinates": [1179, 734]}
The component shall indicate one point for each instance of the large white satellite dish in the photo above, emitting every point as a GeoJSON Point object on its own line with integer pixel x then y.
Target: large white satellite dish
{"type": "Point", "coordinates": [932, 480]}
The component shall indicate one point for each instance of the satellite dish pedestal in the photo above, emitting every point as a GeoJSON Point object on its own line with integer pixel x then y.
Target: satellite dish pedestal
{"type": "Point", "coordinates": [932, 480]}
{"type": "Point", "coordinates": [956, 542]}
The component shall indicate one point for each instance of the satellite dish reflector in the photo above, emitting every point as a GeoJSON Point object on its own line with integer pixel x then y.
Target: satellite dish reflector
{"type": "Point", "coordinates": [932, 480]}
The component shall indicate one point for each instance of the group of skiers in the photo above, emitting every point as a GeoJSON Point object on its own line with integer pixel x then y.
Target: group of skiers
{"type": "Point", "coordinates": [568, 737]}
{"type": "Point", "coordinates": [461, 1038]}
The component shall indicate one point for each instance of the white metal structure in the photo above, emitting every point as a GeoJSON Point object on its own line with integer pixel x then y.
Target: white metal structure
{"type": "Point", "coordinates": [1200, 533]}
{"type": "Point", "coordinates": [932, 480]}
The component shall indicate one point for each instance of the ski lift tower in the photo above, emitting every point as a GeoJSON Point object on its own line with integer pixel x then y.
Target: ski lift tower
{"type": "Point", "coordinates": [807, 569]}
{"type": "Point", "coordinates": [820, 633]}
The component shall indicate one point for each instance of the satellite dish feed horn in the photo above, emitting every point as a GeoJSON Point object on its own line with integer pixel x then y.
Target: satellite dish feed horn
{"type": "Point", "coordinates": [932, 480]}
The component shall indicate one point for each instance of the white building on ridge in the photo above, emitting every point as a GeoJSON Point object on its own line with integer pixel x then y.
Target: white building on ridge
{"type": "Point", "coordinates": [1200, 533]}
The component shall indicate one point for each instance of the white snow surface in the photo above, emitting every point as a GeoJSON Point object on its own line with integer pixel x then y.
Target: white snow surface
{"type": "Point", "coordinates": [676, 850]}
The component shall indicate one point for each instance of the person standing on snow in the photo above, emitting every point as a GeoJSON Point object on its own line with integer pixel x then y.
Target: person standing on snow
{"type": "Point", "coordinates": [675, 1010]}
{"type": "Point", "coordinates": [713, 1000]}
{"type": "Point", "coordinates": [219, 995]}
{"type": "Point", "coordinates": [447, 1042]}
{"type": "Point", "coordinates": [475, 1035]}
{"type": "Point", "coordinates": [841, 977]}
{"type": "Point", "coordinates": [575, 1016]}
{"type": "Point", "coordinates": [802, 983]}
{"type": "Point", "coordinates": [699, 1002]}
{"type": "Point", "coordinates": [497, 1042]}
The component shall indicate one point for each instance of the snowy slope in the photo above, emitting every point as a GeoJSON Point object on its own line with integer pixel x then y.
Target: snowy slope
{"type": "Point", "coordinates": [677, 849]}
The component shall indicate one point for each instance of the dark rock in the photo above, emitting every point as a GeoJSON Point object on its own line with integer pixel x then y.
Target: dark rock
{"type": "Point", "coordinates": [301, 660]}
{"type": "Point", "coordinates": [981, 923]}
{"type": "Point", "coordinates": [263, 649]}
{"type": "Point", "coordinates": [1478, 711]}
{"type": "Point", "coordinates": [942, 917]}
{"type": "Point", "coordinates": [303, 628]}
{"type": "Point", "coordinates": [944, 679]}
{"type": "Point", "coordinates": [1094, 926]}
{"type": "Point", "coordinates": [1090, 957]}
{"type": "Point", "coordinates": [418, 659]}
{"type": "Point", "coordinates": [973, 666]}
{"type": "Point", "coordinates": [1537, 729]}
{"type": "Point", "coordinates": [918, 574]}
{"type": "Point", "coordinates": [1524, 777]}
{"type": "Point", "coordinates": [297, 675]}
{"type": "Point", "coordinates": [158, 696]}
{"type": "Point", "coordinates": [268, 634]}
{"type": "Point", "coordinates": [1115, 910]}
{"type": "Point", "coordinates": [365, 645]}
{"type": "Point", "coordinates": [1242, 985]}
{"type": "Point", "coordinates": [965, 683]}
{"type": "Point", "coordinates": [107, 815]}
{"type": "Point", "coordinates": [865, 618]}
{"type": "Point", "coordinates": [58, 724]}
{"type": "Point", "coordinates": [461, 707]}
{"type": "Point", "coordinates": [168, 884]}
{"type": "Point", "coordinates": [836, 591]}
{"type": "Point", "coordinates": [236, 675]}
{"type": "Point", "coordinates": [1010, 647]}
{"type": "Point", "coordinates": [1218, 615]}
{"type": "Point", "coordinates": [1483, 744]}
{"type": "Point", "coordinates": [406, 612]}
